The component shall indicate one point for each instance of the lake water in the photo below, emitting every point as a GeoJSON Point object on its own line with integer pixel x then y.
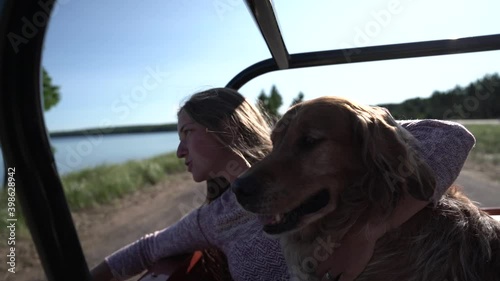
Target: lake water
{"type": "Point", "coordinates": [76, 153]}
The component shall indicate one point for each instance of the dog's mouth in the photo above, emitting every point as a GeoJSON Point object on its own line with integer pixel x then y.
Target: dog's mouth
{"type": "Point", "coordinates": [279, 223]}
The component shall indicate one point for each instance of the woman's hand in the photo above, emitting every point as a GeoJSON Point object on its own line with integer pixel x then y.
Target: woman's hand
{"type": "Point", "coordinates": [102, 272]}
{"type": "Point", "coordinates": [351, 257]}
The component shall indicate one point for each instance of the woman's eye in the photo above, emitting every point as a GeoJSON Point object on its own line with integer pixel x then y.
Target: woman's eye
{"type": "Point", "coordinates": [184, 134]}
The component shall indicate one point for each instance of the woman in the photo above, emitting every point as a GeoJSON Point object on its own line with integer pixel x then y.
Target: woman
{"type": "Point", "coordinates": [221, 135]}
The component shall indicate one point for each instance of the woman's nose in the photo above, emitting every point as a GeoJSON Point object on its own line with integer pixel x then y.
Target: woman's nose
{"type": "Point", "coordinates": [181, 150]}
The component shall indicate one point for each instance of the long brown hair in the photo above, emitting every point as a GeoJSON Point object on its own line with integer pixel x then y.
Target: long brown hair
{"type": "Point", "coordinates": [235, 122]}
{"type": "Point", "coordinates": [239, 126]}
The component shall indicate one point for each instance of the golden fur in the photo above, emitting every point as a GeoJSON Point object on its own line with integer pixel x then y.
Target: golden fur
{"type": "Point", "coordinates": [351, 160]}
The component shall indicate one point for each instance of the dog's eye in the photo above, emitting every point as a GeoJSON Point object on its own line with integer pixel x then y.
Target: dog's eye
{"type": "Point", "coordinates": [309, 142]}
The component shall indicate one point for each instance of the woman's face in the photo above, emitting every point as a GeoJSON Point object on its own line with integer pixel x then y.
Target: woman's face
{"type": "Point", "coordinates": [204, 155]}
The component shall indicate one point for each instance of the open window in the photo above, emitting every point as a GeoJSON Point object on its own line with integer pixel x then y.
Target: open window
{"type": "Point", "coordinates": [351, 43]}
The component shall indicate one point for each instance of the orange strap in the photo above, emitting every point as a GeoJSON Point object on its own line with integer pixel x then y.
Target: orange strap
{"type": "Point", "coordinates": [194, 259]}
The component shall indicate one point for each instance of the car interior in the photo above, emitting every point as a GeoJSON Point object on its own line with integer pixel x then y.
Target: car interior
{"type": "Point", "coordinates": [25, 140]}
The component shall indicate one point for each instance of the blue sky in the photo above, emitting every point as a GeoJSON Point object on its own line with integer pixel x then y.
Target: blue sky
{"type": "Point", "coordinates": [129, 62]}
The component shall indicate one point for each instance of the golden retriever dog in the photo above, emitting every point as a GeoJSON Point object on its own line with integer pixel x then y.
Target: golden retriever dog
{"type": "Point", "coordinates": [335, 161]}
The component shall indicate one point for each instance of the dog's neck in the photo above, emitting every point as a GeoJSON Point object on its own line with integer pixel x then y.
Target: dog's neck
{"type": "Point", "coordinates": [330, 224]}
{"type": "Point", "coordinates": [306, 234]}
{"type": "Point", "coordinates": [306, 248]}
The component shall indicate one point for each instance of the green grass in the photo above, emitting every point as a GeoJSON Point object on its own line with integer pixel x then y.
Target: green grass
{"type": "Point", "coordinates": [99, 185]}
{"type": "Point", "coordinates": [104, 183]}
{"type": "Point", "coordinates": [487, 149]}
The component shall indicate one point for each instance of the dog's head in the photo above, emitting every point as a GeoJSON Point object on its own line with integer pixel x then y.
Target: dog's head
{"type": "Point", "coordinates": [332, 155]}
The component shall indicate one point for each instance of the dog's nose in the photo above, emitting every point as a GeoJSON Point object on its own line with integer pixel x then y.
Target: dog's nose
{"type": "Point", "coordinates": [245, 187]}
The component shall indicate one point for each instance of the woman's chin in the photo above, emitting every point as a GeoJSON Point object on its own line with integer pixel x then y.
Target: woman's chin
{"type": "Point", "coordinates": [197, 178]}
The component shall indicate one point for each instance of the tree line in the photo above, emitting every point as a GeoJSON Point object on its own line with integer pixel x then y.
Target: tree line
{"type": "Point", "coordinates": [270, 104]}
{"type": "Point", "coordinates": [478, 100]}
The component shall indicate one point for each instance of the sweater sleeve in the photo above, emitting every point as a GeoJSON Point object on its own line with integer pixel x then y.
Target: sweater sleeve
{"type": "Point", "coordinates": [185, 236]}
{"type": "Point", "coordinates": [444, 145]}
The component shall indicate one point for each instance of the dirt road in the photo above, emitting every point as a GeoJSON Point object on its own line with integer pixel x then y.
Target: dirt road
{"type": "Point", "coordinates": [479, 188]}
{"type": "Point", "coordinates": [105, 229]}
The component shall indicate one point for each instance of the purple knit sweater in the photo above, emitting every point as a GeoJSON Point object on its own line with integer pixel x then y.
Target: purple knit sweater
{"type": "Point", "coordinates": [250, 254]}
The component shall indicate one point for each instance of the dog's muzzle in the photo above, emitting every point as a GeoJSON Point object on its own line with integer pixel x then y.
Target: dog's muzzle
{"type": "Point", "coordinates": [246, 190]}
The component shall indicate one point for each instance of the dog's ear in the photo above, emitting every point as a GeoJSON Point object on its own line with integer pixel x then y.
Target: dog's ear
{"type": "Point", "coordinates": [392, 164]}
